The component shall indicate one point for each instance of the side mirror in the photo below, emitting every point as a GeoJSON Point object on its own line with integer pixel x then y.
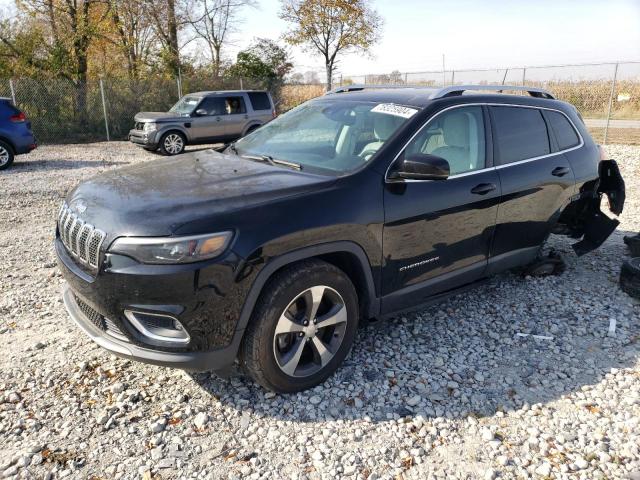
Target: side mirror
{"type": "Point", "coordinates": [422, 166]}
{"type": "Point", "coordinates": [201, 112]}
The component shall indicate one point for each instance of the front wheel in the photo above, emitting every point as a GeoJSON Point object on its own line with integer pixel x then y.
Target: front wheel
{"type": "Point", "coordinates": [6, 155]}
{"type": "Point", "coordinates": [302, 328]}
{"type": "Point", "coordinates": [172, 143]}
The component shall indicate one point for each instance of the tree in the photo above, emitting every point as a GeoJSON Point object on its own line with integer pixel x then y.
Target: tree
{"type": "Point", "coordinates": [166, 24]}
{"type": "Point", "coordinates": [331, 27]}
{"type": "Point", "coordinates": [67, 29]}
{"type": "Point", "coordinates": [134, 34]}
{"type": "Point", "coordinates": [264, 61]}
{"type": "Point", "coordinates": [214, 21]}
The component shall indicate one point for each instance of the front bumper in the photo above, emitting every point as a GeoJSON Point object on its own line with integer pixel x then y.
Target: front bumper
{"type": "Point", "coordinates": [145, 139]}
{"type": "Point", "coordinates": [218, 360]}
{"type": "Point", "coordinates": [201, 297]}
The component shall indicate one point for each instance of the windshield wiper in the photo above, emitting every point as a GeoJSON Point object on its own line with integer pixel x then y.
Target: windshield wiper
{"type": "Point", "coordinates": [232, 147]}
{"type": "Point", "coordinates": [273, 161]}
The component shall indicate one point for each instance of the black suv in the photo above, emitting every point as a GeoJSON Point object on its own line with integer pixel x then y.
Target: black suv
{"type": "Point", "coordinates": [353, 206]}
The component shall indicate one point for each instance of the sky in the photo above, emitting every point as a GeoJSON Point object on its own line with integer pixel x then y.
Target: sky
{"type": "Point", "coordinates": [471, 34]}
{"type": "Point", "coordinates": [479, 34]}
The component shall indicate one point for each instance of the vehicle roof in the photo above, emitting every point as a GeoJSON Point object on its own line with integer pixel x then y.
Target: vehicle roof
{"type": "Point", "coordinates": [420, 97]}
{"type": "Point", "coordinates": [206, 93]}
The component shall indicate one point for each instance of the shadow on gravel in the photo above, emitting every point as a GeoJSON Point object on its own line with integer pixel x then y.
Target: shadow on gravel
{"type": "Point", "coordinates": [469, 355]}
{"type": "Point", "coordinates": [37, 165]}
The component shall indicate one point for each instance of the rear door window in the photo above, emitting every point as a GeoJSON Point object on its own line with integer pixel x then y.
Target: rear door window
{"type": "Point", "coordinates": [565, 133]}
{"type": "Point", "coordinates": [519, 134]}
{"type": "Point", "coordinates": [259, 100]}
{"type": "Point", "coordinates": [234, 105]}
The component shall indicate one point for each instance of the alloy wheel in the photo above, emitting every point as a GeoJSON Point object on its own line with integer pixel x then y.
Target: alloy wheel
{"type": "Point", "coordinates": [310, 331]}
{"type": "Point", "coordinates": [4, 156]}
{"type": "Point", "coordinates": [173, 143]}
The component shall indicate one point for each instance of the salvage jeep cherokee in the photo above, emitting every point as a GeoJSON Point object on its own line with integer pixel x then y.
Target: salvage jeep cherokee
{"type": "Point", "coordinates": [352, 206]}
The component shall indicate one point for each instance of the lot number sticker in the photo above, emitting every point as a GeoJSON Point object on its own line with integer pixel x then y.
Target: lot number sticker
{"type": "Point", "coordinates": [397, 110]}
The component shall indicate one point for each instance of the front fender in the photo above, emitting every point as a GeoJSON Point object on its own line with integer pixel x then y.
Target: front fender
{"type": "Point", "coordinates": [277, 263]}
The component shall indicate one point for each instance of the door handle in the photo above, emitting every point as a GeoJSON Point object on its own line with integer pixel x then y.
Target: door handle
{"type": "Point", "coordinates": [483, 188]}
{"type": "Point", "coordinates": [560, 171]}
{"type": "Point", "coordinates": [246, 117]}
{"type": "Point", "coordinates": [217, 119]}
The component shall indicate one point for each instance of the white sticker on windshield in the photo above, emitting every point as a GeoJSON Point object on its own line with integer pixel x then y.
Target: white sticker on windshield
{"type": "Point", "coordinates": [397, 110]}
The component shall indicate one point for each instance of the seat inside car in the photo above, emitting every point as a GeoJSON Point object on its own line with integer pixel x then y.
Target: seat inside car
{"type": "Point", "coordinates": [383, 127]}
{"type": "Point", "coordinates": [460, 136]}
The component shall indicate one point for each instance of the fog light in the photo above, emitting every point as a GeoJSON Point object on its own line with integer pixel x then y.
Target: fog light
{"type": "Point", "coordinates": [158, 327]}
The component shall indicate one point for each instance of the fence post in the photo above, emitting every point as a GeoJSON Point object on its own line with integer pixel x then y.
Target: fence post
{"type": "Point", "coordinates": [453, 77]}
{"type": "Point", "coordinates": [524, 73]}
{"type": "Point", "coordinates": [613, 90]}
{"type": "Point", "coordinates": [241, 84]}
{"type": "Point", "coordinates": [406, 76]}
{"type": "Point", "coordinates": [104, 110]}
{"type": "Point", "coordinates": [504, 79]}
{"type": "Point", "coordinates": [13, 92]}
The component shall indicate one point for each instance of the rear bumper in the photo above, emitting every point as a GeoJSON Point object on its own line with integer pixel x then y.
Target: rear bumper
{"type": "Point", "coordinates": [217, 360]}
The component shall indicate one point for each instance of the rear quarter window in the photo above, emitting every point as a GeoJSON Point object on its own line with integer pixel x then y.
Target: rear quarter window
{"type": "Point", "coordinates": [519, 134]}
{"type": "Point", "coordinates": [566, 135]}
{"type": "Point", "coordinates": [259, 100]}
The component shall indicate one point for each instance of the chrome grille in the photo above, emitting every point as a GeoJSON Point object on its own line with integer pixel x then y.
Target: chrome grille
{"type": "Point", "coordinates": [82, 240]}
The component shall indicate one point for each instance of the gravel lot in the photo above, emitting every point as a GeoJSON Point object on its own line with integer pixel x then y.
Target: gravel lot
{"type": "Point", "coordinates": [449, 392]}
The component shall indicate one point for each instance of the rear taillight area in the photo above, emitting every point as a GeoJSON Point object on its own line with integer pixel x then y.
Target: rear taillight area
{"type": "Point", "coordinates": [18, 118]}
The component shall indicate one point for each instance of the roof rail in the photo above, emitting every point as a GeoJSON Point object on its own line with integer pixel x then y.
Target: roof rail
{"type": "Point", "coordinates": [358, 87]}
{"type": "Point", "coordinates": [454, 90]}
{"type": "Point", "coordinates": [450, 91]}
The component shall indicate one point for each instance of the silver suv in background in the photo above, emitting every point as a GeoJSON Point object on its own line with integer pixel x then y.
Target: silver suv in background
{"type": "Point", "coordinates": [202, 117]}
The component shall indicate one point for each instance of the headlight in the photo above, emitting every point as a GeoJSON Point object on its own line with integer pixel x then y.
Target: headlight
{"type": "Point", "coordinates": [149, 127]}
{"type": "Point", "coordinates": [163, 250]}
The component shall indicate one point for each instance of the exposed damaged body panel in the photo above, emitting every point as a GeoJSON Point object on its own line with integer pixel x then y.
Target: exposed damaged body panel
{"type": "Point", "coordinates": [584, 218]}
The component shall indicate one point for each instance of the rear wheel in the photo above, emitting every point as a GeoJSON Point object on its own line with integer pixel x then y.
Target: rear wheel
{"type": "Point", "coordinates": [6, 155]}
{"type": "Point", "coordinates": [172, 143]}
{"type": "Point", "coordinates": [302, 328]}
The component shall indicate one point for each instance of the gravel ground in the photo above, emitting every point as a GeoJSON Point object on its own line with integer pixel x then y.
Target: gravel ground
{"type": "Point", "coordinates": [449, 392]}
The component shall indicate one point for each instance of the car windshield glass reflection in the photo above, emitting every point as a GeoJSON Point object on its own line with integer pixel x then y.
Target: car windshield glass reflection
{"type": "Point", "coordinates": [327, 135]}
{"type": "Point", "coordinates": [185, 105]}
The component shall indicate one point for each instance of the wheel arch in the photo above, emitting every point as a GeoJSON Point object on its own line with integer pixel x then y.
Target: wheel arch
{"type": "Point", "coordinates": [251, 126]}
{"type": "Point", "coordinates": [8, 142]}
{"type": "Point", "coordinates": [348, 256]}
{"type": "Point", "coordinates": [174, 128]}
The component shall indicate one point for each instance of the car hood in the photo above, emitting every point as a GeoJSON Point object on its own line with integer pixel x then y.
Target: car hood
{"type": "Point", "coordinates": [157, 117]}
{"type": "Point", "coordinates": [181, 194]}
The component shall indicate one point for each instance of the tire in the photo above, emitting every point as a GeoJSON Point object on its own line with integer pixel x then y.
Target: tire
{"type": "Point", "coordinates": [633, 242]}
{"type": "Point", "coordinates": [172, 143]}
{"type": "Point", "coordinates": [630, 277]}
{"type": "Point", "coordinates": [290, 361]}
{"type": "Point", "coordinates": [6, 155]}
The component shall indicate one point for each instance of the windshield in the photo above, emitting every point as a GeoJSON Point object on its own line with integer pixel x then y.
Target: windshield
{"type": "Point", "coordinates": [334, 135]}
{"type": "Point", "coordinates": [185, 105]}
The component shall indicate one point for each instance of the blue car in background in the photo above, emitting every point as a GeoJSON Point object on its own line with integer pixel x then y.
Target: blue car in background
{"type": "Point", "coordinates": [16, 136]}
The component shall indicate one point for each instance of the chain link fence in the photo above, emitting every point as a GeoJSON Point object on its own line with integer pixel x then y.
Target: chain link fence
{"type": "Point", "coordinates": [61, 111]}
{"type": "Point", "coordinates": [606, 94]}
